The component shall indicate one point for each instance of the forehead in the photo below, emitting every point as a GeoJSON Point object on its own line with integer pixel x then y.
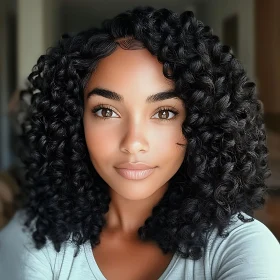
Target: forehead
{"type": "Point", "coordinates": [125, 71]}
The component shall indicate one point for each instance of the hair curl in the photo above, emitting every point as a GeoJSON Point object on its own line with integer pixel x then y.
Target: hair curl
{"type": "Point", "coordinates": [225, 165]}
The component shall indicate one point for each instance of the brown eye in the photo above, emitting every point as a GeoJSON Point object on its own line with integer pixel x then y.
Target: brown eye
{"type": "Point", "coordinates": [163, 114]}
{"type": "Point", "coordinates": [104, 112]}
{"type": "Point", "coordinates": [166, 114]}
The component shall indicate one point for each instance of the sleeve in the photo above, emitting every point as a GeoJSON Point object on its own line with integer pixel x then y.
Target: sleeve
{"type": "Point", "coordinates": [19, 259]}
{"type": "Point", "coordinates": [250, 252]}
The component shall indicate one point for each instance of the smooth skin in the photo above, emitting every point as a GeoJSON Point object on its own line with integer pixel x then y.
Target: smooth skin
{"type": "Point", "coordinates": [132, 128]}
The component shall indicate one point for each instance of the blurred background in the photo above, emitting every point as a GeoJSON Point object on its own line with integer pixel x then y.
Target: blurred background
{"type": "Point", "coordinates": [29, 27]}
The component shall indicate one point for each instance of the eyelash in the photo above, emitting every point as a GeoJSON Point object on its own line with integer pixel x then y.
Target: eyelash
{"type": "Point", "coordinates": [102, 106]}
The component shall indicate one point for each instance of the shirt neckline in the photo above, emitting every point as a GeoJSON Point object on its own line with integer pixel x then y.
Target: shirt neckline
{"type": "Point", "coordinates": [97, 272]}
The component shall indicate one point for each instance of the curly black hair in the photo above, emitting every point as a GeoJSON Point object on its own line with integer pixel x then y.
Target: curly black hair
{"type": "Point", "coordinates": [225, 165]}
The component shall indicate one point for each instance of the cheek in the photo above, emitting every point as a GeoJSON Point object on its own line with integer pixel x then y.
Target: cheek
{"type": "Point", "coordinates": [166, 139]}
{"type": "Point", "coordinates": [100, 139]}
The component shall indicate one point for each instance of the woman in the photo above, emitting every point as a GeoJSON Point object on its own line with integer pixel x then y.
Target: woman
{"type": "Point", "coordinates": [146, 157]}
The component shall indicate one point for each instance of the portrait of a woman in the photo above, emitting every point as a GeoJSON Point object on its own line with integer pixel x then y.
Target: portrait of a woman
{"type": "Point", "coordinates": [145, 156]}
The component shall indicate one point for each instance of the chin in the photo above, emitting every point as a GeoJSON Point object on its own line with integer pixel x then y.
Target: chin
{"type": "Point", "coordinates": [135, 192]}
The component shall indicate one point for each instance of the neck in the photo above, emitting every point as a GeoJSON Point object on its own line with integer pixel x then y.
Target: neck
{"type": "Point", "coordinates": [127, 216]}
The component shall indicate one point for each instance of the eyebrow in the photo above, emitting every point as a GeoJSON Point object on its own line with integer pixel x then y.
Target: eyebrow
{"type": "Point", "coordinates": [117, 97]}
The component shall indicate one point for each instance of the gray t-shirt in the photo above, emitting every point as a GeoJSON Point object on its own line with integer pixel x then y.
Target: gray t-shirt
{"type": "Point", "coordinates": [250, 251]}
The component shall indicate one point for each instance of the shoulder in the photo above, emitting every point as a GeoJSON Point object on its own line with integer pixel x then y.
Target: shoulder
{"type": "Point", "coordinates": [14, 237]}
{"type": "Point", "coordinates": [14, 229]}
{"type": "Point", "coordinates": [248, 245]}
{"type": "Point", "coordinates": [19, 258]}
{"type": "Point", "coordinates": [15, 234]}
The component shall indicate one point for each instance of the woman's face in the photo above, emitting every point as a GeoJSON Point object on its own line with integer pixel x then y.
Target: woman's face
{"type": "Point", "coordinates": [131, 115]}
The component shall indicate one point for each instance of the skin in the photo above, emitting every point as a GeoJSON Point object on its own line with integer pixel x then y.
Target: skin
{"type": "Point", "coordinates": [134, 131]}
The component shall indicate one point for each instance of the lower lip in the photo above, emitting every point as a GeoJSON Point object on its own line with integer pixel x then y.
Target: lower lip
{"type": "Point", "coordinates": [133, 174]}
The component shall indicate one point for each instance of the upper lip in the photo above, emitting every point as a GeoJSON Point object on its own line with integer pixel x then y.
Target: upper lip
{"type": "Point", "coordinates": [135, 166]}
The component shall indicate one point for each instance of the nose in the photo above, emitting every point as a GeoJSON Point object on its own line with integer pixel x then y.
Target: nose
{"type": "Point", "coordinates": [134, 139]}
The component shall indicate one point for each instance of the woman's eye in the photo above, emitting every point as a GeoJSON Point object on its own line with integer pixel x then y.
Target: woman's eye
{"type": "Point", "coordinates": [166, 114]}
{"type": "Point", "coordinates": [105, 113]}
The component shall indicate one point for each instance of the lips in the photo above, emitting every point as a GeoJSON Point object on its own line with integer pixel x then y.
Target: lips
{"type": "Point", "coordinates": [134, 166]}
{"type": "Point", "coordinates": [134, 171]}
